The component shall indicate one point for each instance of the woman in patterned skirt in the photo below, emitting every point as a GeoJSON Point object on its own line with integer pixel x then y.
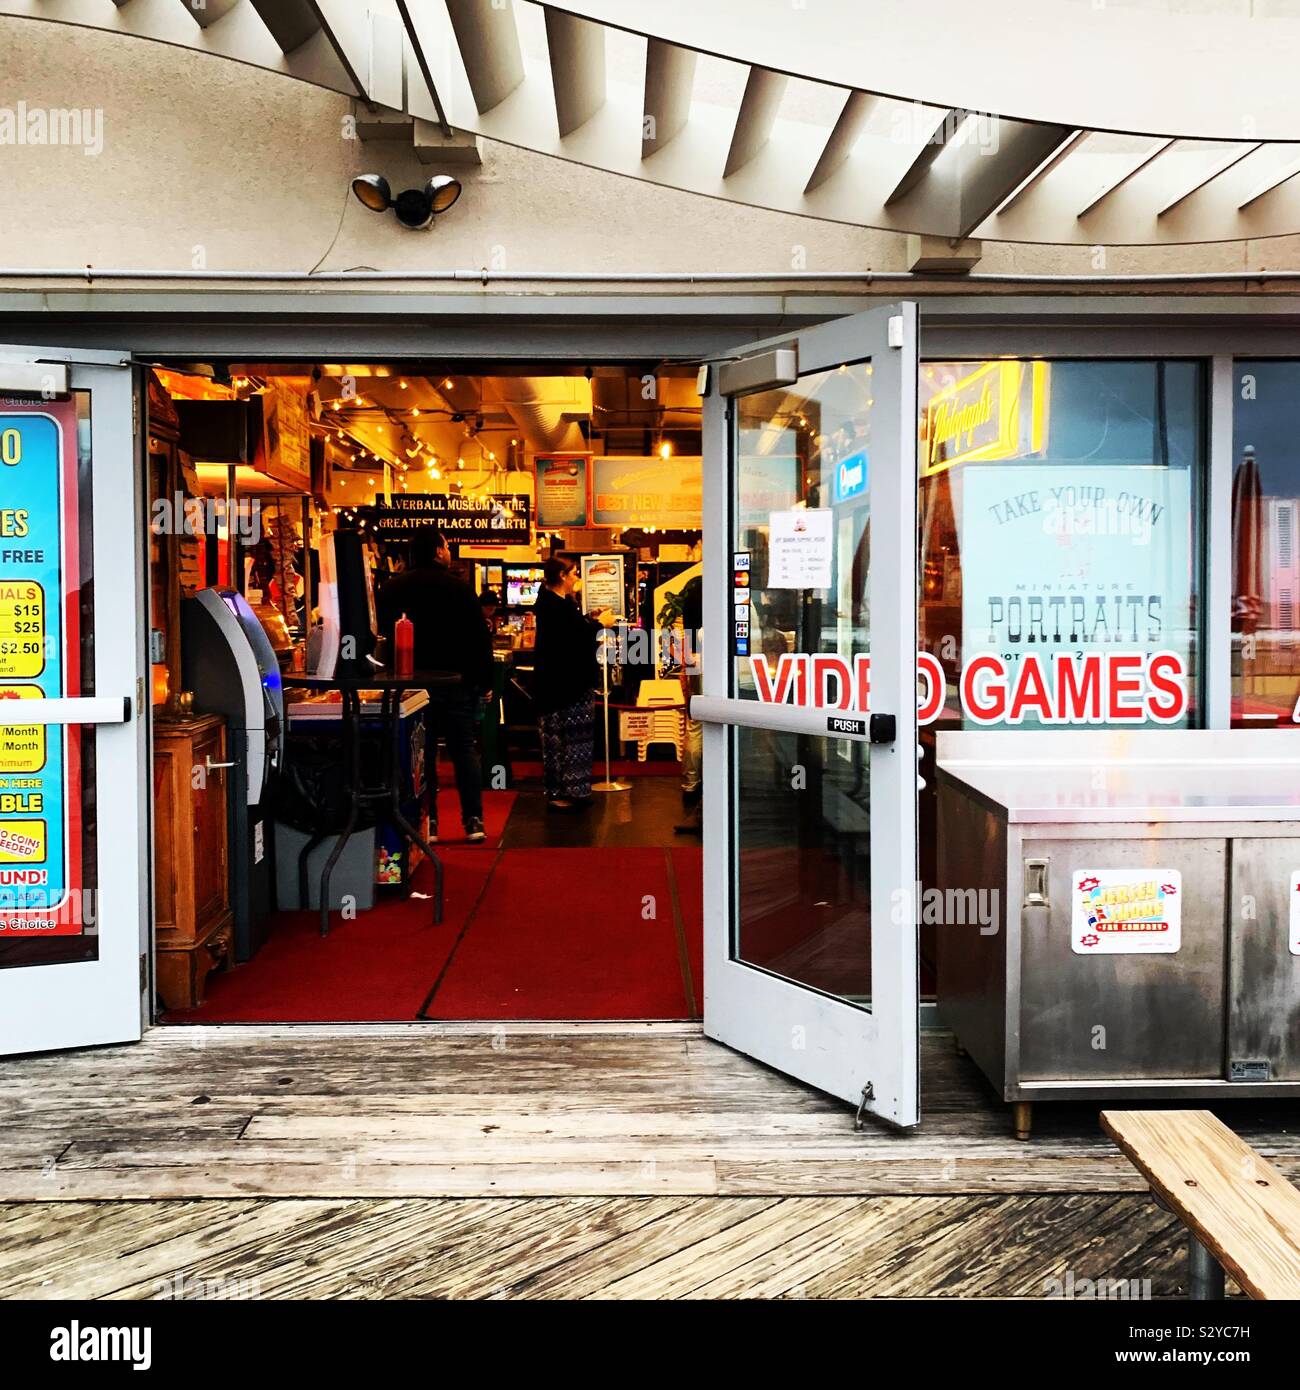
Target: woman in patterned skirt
{"type": "Point", "coordinates": [565, 678]}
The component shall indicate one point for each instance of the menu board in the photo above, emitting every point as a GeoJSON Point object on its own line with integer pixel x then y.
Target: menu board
{"type": "Point", "coordinates": [40, 765]}
{"type": "Point", "coordinates": [602, 584]}
{"type": "Point", "coordinates": [561, 490]}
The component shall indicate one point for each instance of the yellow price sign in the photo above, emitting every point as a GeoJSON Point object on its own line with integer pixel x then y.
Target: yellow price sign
{"type": "Point", "coordinates": [22, 628]}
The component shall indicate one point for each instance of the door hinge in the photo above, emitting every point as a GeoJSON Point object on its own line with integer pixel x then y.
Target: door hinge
{"type": "Point", "coordinates": [896, 330]}
{"type": "Point", "coordinates": [868, 1094]}
{"type": "Point", "coordinates": [144, 973]}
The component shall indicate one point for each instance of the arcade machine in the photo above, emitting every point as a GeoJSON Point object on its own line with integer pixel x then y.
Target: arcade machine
{"type": "Point", "coordinates": [349, 631]}
{"type": "Point", "coordinates": [228, 663]}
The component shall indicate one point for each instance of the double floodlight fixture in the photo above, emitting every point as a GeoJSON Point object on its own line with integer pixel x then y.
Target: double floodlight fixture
{"type": "Point", "coordinates": [414, 207]}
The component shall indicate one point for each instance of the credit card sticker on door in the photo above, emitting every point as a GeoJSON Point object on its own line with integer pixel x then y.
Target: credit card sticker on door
{"type": "Point", "coordinates": [1126, 912]}
{"type": "Point", "coordinates": [1293, 920]}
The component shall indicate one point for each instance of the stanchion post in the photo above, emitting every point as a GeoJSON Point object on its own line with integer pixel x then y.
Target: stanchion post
{"type": "Point", "coordinates": [609, 784]}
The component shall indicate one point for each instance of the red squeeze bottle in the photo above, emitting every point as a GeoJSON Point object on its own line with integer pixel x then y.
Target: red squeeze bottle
{"type": "Point", "coordinates": [403, 646]}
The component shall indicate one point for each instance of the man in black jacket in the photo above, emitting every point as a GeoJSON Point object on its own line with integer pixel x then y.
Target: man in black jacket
{"type": "Point", "coordinates": [451, 634]}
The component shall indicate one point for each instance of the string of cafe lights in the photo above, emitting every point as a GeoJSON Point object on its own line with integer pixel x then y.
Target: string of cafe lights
{"type": "Point", "coordinates": [366, 456]}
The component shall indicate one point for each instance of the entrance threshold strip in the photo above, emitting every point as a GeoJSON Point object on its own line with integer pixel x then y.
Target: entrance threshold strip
{"type": "Point", "coordinates": [240, 1033]}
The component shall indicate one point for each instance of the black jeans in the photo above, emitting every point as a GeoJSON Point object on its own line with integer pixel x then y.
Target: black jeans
{"type": "Point", "coordinates": [452, 718]}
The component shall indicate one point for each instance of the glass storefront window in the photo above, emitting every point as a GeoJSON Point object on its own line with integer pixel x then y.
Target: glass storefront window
{"type": "Point", "coordinates": [1265, 561]}
{"type": "Point", "coordinates": [1061, 541]}
{"type": "Point", "coordinates": [1061, 553]}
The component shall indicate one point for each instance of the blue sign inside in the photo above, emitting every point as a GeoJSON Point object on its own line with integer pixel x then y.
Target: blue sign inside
{"type": "Point", "coordinates": [851, 477]}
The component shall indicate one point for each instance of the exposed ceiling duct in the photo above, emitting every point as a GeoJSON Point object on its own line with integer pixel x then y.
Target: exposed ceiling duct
{"type": "Point", "coordinates": [547, 409]}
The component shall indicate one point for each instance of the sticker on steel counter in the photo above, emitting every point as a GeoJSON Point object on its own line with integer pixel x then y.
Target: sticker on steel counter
{"type": "Point", "coordinates": [1126, 912]}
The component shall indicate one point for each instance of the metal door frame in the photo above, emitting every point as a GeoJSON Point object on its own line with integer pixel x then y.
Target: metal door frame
{"type": "Point", "coordinates": [865, 1057]}
{"type": "Point", "coordinates": [77, 1004]}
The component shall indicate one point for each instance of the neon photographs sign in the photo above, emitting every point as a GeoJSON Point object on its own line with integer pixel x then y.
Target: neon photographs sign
{"type": "Point", "coordinates": [998, 411]}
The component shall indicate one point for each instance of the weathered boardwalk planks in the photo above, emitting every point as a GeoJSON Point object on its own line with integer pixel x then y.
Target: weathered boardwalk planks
{"type": "Point", "coordinates": [548, 1162]}
{"type": "Point", "coordinates": [428, 1111]}
{"type": "Point", "coordinates": [590, 1247]}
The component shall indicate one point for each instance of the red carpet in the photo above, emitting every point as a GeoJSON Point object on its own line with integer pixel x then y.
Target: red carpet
{"type": "Point", "coordinates": [619, 767]}
{"type": "Point", "coordinates": [379, 967]}
{"type": "Point", "coordinates": [557, 934]}
{"type": "Point", "coordinates": [563, 934]}
{"type": "Point", "coordinates": [688, 865]}
{"type": "Point", "coordinates": [496, 811]}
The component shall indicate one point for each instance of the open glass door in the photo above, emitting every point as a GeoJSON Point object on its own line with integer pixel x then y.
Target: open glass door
{"type": "Point", "coordinates": [810, 795]}
{"type": "Point", "coordinates": [73, 826]}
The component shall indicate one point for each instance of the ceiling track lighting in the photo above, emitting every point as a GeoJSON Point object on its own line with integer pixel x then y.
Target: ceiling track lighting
{"type": "Point", "coordinates": [413, 207]}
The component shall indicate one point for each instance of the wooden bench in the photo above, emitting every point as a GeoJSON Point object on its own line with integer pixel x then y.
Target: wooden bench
{"type": "Point", "coordinates": [1241, 1214]}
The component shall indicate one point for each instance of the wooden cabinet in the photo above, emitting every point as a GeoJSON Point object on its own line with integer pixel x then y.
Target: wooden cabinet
{"type": "Point", "coordinates": [192, 913]}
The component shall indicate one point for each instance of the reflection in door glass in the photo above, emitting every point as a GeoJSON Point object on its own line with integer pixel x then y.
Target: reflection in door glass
{"type": "Point", "coordinates": [802, 507]}
{"type": "Point", "coordinates": [803, 837]}
{"type": "Point", "coordinates": [1265, 553]}
{"type": "Point", "coordinates": [801, 635]}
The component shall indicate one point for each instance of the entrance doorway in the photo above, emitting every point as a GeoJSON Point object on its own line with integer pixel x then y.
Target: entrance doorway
{"type": "Point", "coordinates": [297, 508]}
{"type": "Point", "coordinates": [264, 616]}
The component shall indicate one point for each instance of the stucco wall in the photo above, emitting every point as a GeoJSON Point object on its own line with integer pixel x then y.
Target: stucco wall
{"type": "Point", "coordinates": [209, 164]}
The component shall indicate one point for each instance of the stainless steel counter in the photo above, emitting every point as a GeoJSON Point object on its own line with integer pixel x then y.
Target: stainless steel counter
{"type": "Point", "coordinates": [1055, 795]}
{"type": "Point", "coordinates": [1145, 942]}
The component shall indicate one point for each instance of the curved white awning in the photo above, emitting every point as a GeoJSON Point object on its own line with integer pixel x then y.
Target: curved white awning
{"type": "Point", "coordinates": [1020, 120]}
